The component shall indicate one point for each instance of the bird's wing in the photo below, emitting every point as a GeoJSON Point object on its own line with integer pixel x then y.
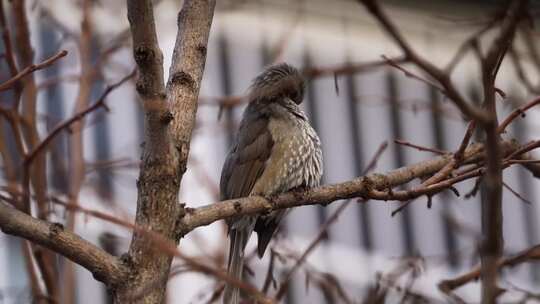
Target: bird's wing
{"type": "Point", "coordinates": [247, 159]}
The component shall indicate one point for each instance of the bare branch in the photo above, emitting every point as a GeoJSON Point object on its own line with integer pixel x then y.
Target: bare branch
{"type": "Point", "coordinates": [6, 39]}
{"type": "Point", "coordinates": [520, 72]}
{"type": "Point", "coordinates": [167, 133]}
{"type": "Point", "coordinates": [530, 254]}
{"type": "Point", "coordinates": [420, 148]}
{"type": "Point", "coordinates": [157, 241]}
{"type": "Point", "coordinates": [444, 79]}
{"type": "Point", "coordinates": [492, 213]}
{"type": "Point", "coordinates": [516, 113]}
{"type": "Point", "coordinates": [78, 116]}
{"type": "Point", "coordinates": [310, 73]}
{"type": "Point", "coordinates": [76, 164]}
{"type": "Point", "coordinates": [497, 51]}
{"type": "Point", "coordinates": [104, 267]}
{"type": "Point", "coordinates": [412, 75]}
{"type": "Point", "coordinates": [30, 69]}
{"type": "Point", "coordinates": [516, 194]}
{"type": "Point", "coordinates": [350, 68]}
{"type": "Point", "coordinates": [369, 187]}
{"type": "Point", "coordinates": [25, 93]}
{"type": "Point", "coordinates": [456, 161]}
{"type": "Point", "coordinates": [186, 70]}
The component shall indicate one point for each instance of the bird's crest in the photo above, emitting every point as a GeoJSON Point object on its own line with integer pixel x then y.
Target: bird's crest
{"type": "Point", "coordinates": [280, 80]}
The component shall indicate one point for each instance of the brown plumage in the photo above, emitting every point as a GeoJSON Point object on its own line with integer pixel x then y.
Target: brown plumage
{"type": "Point", "coordinates": [275, 150]}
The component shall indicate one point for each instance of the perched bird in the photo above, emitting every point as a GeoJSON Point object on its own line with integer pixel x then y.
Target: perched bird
{"type": "Point", "coordinates": [275, 150]}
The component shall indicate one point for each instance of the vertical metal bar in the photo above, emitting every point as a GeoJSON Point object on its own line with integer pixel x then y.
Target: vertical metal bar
{"type": "Point", "coordinates": [101, 136]}
{"type": "Point", "coordinates": [226, 83]}
{"type": "Point", "coordinates": [8, 135]}
{"type": "Point", "coordinates": [524, 181]}
{"type": "Point", "coordinates": [266, 54]}
{"type": "Point", "coordinates": [395, 120]}
{"type": "Point", "coordinates": [19, 282]}
{"type": "Point", "coordinates": [358, 156]}
{"type": "Point", "coordinates": [437, 126]}
{"type": "Point", "coordinates": [55, 113]}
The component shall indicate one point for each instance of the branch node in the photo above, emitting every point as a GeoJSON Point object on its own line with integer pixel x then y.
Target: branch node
{"type": "Point", "coordinates": [271, 204]}
{"type": "Point", "coordinates": [55, 228]}
{"type": "Point", "coordinates": [202, 50]}
{"type": "Point", "coordinates": [140, 87]}
{"type": "Point", "coordinates": [166, 117]}
{"type": "Point", "coordinates": [181, 211]}
{"type": "Point", "coordinates": [182, 78]}
{"type": "Point", "coordinates": [237, 206]}
{"type": "Point", "coordinates": [127, 260]}
{"type": "Point", "coordinates": [367, 186]}
{"type": "Point", "coordinates": [143, 55]}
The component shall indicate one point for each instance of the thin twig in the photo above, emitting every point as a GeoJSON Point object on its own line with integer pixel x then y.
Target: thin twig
{"type": "Point", "coordinates": [350, 68]}
{"type": "Point", "coordinates": [420, 148]}
{"type": "Point", "coordinates": [516, 194]}
{"type": "Point", "coordinates": [492, 245]}
{"type": "Point", "coordinates": [447, 169]}
{"type": "Point", "coordinates": [516, 113]}
{"type": "Point", "coordinates": [309, 73]}
{"type": "Point", "coordinates": [410, 74]}
{"type": "Point", "coordinates": [105, 267]}
{"type": "Point", "coordinates": [6, 37]}
{"type": "Point", "coordinates": [30, 69]}
{"type": "Point", "coordinates": [444, 79]}
{"type": "Point", "coordinates": [98, 104]}
{"type": "Point", "coordinates": [520, 72]}
{"type": "Point", "coordinates": [530, 254]}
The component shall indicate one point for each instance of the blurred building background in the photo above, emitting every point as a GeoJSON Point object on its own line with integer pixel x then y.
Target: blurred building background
{"type": "Point", "coordinates": [353, 115]}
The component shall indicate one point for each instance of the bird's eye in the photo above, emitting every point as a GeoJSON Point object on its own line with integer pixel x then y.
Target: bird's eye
{"type": "Point", "coordinates": [292, 96]}
{"type": "Point", "coordinates": [297, 95]}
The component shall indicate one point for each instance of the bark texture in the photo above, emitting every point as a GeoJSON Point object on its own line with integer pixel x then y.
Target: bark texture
{"type": "Point", "coordinates": [169, 121]}
{"type": "Point", "coordinates": [104, 267]}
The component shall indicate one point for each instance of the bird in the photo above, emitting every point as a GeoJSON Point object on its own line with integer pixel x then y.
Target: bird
{"type": "Point", "coordinates": [275, 150]}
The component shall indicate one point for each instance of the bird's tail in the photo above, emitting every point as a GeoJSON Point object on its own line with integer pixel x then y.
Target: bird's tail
{"type": "Point", "coordinates": [239, 238]}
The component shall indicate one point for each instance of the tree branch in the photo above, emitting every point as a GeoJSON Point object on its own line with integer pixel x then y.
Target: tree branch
{"type": "Point", "coordinates": [368, 187]}
{"type": "Point", "coordinates": [35, 175]}
{"type": "Point", "coordinates": [444, 79]}
{"type": "Point", "coordinates": [530, 254]}
{"type": "Point", "coordinates": [104, 267]}
{"type": "Point", "coordinates": [167, 135]}
{"type": "Point", "coordinates": [516, 113]}
{"type": "Point", "coordinates": [492, 213]}
{"type": "Point", "coordinates": [420, 148]}
{"type": "Point", "coordinates": [185, 73]}
{"type": "Point", "coordinates": [30, 69]}
{"type": "Point", "coordinates": [76, 117]}
{"type": "Point", "coordinates": [349, 68]}
{"type": "Point", "coordinates": [146, 51]}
